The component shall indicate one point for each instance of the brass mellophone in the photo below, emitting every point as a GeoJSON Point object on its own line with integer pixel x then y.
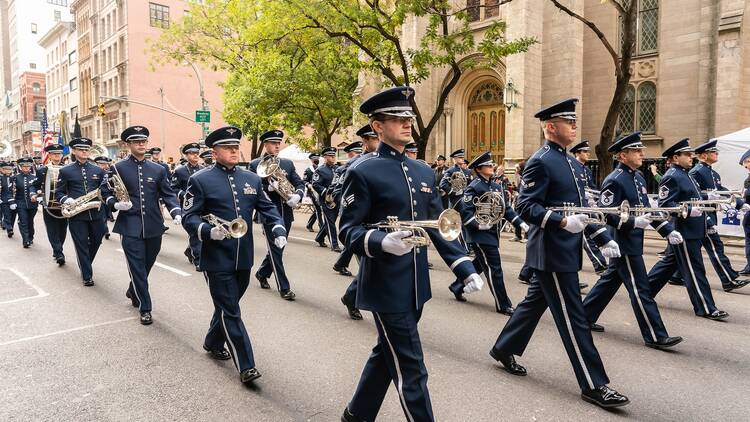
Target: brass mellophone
{"type": "Point", "coordinates": [235, 228]}
{"type": "Point", "coordinates": [595, 215]}
{"type": "Point", "coordinates": [82, 203]}
{"type": "Point", "coordinates": [448, 225]}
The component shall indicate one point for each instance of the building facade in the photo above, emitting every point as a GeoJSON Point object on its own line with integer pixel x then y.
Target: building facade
{"type": "Point", "coordinates": [61, 57]}
{"type": "Point", "coordinates": [118, 72]}
{"type": "Point", "coordinates": [691, 75]}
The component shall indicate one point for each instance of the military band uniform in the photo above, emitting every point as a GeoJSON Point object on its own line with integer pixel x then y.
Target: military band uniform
{"type": "Point", "coordinates": [57, 227]}
{"type": "Point", "coordinates": [345, 257]}
{"type": "Point", "coordinates": [454, 198]}
{"type": "Point", "coordinates": [589, 246]}
{"type": "Point", "coordinates": [88, 227]}
{"type": "Point", "coordinates": [323, 179]}
{"type": "Point", "coordinates": [228, 193]}
{"type": "Point", "coordinates": [7, 195]}
{"type": "Point", "coordinates": [24, 206]}
{"type": "Point", "coordinates": [179, 185]}
{"type": "Point", "coordinates": [746, 218]}
{"type": "Point", "coordinates": [317, 214]}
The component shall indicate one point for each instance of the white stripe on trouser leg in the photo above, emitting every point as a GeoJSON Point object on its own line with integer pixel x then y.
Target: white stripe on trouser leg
{"type": "Point", "coordinates": [489, 277]}
{"type": "Point", "coordinates": [716, 256]}
{"type": "Point", "coordinates": [638, 298]}
{"type": "Point", "coordinates": [270, 256]}
{"type": "Point", "coordinates": [591, 252]}
{"type": "Point", "coordinates": [692, 275]}
{"type": "Point", "coordinates": [328, 227]}
{"type": "Point", "coordinates": [570, 332]}
{"type": "Point", "coordinates": [399, 381]}
{"type": "Point", "coordinates": [132, 282]}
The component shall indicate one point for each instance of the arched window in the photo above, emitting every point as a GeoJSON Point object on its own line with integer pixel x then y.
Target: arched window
{"type": "Point", "coordinates": [647, 107]}
{"type": "Point", "coordinates": [626, 123]}
{"type": "Point", "coordinates": [36, 88]}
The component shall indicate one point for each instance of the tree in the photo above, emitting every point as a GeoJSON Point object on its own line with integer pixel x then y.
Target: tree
{"type": "Point", "coordinates": [622, 59]}
{"type": "Point", "coordinates": [279, 73]}
{"type": "Point", "coordinates": [374, 27]}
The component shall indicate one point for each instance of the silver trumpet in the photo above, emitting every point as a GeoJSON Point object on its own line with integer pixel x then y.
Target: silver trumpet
{"type": "Point", "coordinates": [711, 205]}
{"type": "Point", "coordinates": [448, 225]}
{"type": "Point", "coordinates": [660, 214]}
{"type": "Point", "coordinates": [595, 215]}
{"type": "Point", "coordinates": [595, 194]}
{"type": "Point", "coordinates": [735, 193]}
{"type": "Point", "coordinates": [234, 229]}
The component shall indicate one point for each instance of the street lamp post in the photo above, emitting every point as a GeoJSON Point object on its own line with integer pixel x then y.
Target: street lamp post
{"type": "Point", "coordinates": [204, 102]}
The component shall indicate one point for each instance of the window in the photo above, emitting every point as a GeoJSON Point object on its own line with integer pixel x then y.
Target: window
{"type": "Point", "coordinates": [74, 112]}
{"type": "Point", "coordinates": [36, 88]}
{"type": "Point", "coordinates": [638, 111]}
{"type": "Point", "coordinates": [482, 9]}
{"type": "Point", "coordinates": [38, 111]}
{"type": "Point", "coordinates": [58, 16]}
{"type": "Point", "coordinates": [492, 9]}
{"type": "Point", "coordinates": [158, 15]}
{"type": "Point", "coordinates": [472, 9]}
{"type": "Point", "coordinates": [33, 28]}
{"type": "Point", "coordinates": [58, 2]}
{"type": "Point", "coordinates": [74, 84]}
{"type": "Point", "coordinates": [72, 57]}
{"type": "Point", "coordinates": [647, 27]}
{"type": "Point", "coordinates": [32, 65]}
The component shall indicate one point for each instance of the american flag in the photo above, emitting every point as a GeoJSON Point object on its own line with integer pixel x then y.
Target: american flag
{"type": "Point", "coordinates": [48, 138]}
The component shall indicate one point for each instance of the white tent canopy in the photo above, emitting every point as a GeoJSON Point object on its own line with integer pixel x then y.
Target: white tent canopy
{"type": "Point", "coordinates": [733, 175]}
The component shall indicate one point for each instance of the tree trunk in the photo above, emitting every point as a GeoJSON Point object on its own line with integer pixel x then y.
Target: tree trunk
{"type": "Point", "coordinates": [606, 160]}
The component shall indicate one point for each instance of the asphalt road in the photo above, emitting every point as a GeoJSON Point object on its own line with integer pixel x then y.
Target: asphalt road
{"type": "Point", "coordinates": [69, 352]}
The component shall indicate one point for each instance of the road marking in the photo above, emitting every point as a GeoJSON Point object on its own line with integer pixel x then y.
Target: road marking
{"type": "Point", "coordinates": [69, 330]}
{"type": "Point", "coordinates": [166, 267]}
{"type": "Point", "coordinates": [302, 238]}
{"type": "Point", "coordinates": [39, 292]}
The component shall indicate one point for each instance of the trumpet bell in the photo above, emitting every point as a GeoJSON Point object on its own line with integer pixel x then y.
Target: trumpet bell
{"type": "Point", "coordinates": [449, 224]}
{"type": "Point", "coordinates": [237, 228]}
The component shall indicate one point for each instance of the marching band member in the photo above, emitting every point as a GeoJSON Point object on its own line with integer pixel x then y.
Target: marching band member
{"type": "Point", "coordinates": [56, 226]}
{"type": "Point", "coordinates": [229, 193]}
{"type": "Point", "coordinates": [208, 157]}
{"type": "Point", "coordinates": [6, 197]}
{"type": "Point", "coordinates": [179, 185]}
{"type": "Point", "coordinates": [370, 143]}
{"type": "Point", "coordinates": [581, 152]}
{"type": "Point", "coordinates": [353, 152]}
{"type": "Point", "coordinates": [626, 183]}
{"type": "Point", "coordinates": [745, 162]}
{"type": "Point", "coordinates": [24, 201]}
{"type": "Point", "coordinates": [439, 169]}
{"type": "Point", "coordinates": [105, 163]}
{"type": "Point", "coordinates": [87, 228]}
{"type": "Point", "coordinates": [677, 186]}
{"type": "Point", "coordinates": [273, 263]}
{"type": "Point", "coordinates": [446, 188]}
{"type": "Point", "coordinates": [323, 183]}
{"type": "Point", "coordinates": [156, 158]}
{"type": "Point", "coordinates": [393, 273]}
{"type": "Point", "coordinates": [708, 179]}
{"type": "Point", "coordinates": [317, 214]}
{"type": "Point", "coordinates": [411, 150]}
{"type": "Point", "coordinates": [485, 238]}
{"type": "Point", "coordinates": [140, 223]}
{"type": "Point", "coordinates": [553, 251]}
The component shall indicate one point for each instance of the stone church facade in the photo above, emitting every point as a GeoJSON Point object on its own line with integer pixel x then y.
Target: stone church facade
{"type": "Point", "coordinates": [691, 76]}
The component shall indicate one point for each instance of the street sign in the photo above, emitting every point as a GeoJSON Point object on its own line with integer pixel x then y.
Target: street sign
{"type": "Point", "coordinates": [205, 131]}
{"type": "Point", "coordinates": [202, 116]}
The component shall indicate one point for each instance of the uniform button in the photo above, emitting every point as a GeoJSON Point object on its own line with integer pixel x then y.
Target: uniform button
{"type": "Point", "coordinates": [413, 190]}
{"type": "Point", "coordinates": [415, 202]}
{"type": "Point", "coordinates": [415, 213]}
{"type": "Point", "coordinates": [238, 208]}
{"type": "Point", "coordinates": [233, 185]}
{"type": "Point", "coordinates": [410, 179]}
{"type": "Point", "coordinates": [406, 168]}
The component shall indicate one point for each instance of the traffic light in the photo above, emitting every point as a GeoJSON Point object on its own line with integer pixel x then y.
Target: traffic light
{"type": "Point", "coordinates": [100, 109]}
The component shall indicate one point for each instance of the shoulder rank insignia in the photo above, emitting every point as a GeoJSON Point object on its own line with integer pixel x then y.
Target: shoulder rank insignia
{"type": "Point", "coordinates": [607, 197]}
{"type": "Point", "coordinates": [188, 202]}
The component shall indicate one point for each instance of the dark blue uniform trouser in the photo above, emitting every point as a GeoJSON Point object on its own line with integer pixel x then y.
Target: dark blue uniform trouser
{"type": "Point", "coordinates": [328, 228]}
{"type": "Point", "coordinates": [9, 217]}
{"type": "Point", "coordinates": [87, 237]}
{"type": "Point", "coordinates": [26, 223]}
{"type": "Point", "coordinates": [594, 254]}
{"type": "Point", "coordinates": [140, 255]}
{"type": "Point", "coordinates": [316, 215]}
{"type": "Point", "coordinates": [397, 358]}
{"type": "Point", "coordinates": [57, 231]}
{"type": "Point", "coordinates": [630, 271]}
{"type": "Point", "coordinates": [525, 273]}
{"type": "Point", "coordinates": [345, 258]}
{"type": "Point", "coordinates": [350, 296]}
{"type": "Point", "coordinates": [487, 260]}
{"type": "Point", "coordinates": [746, 228]}
{"type": "Point", "coordinates": [715, 249]}
{"type": "Point", "coordinates": [561, 293]}
{"type": "Point", "coordinates": [688, 259]}
{"type": "Point", "coordinates": [273, 262]}
{"type": "Point", "coordinates": [226, 290]}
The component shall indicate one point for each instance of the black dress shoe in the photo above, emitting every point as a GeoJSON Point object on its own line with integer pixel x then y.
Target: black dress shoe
{"type": "Point", "coordinates": [188, 255]}
{"type": "Point", "coordinates": [509, 363]}
{"type": "Point", "coordinates": [287, 295]}
{"type": "Point", "coordinates": [88, 283]}
{"type": "Point", "coordinates": [353, 312]}
{"type": "Point", "coordinates": [133, 300]}
{"type": "Point", "coordinates": [605, 397]}
{"type": "Point", "coordinates": [745, 271]}
{"type": "Point", "coordinates": [429, 265]}
{"type": "Point", "coordinates": [676, 282]}
{"type": "Point", "coordinates": [337, 249]}
{"type": "Point", "coordinates": [342, 270]}
{"type": "Point", "coordinates": [322, 244]}
{"type": "Point", "coordinates": [736, 284]}
{"type": "Point", "coordinates": [717, 315]}
{"type": "Point", "coordinates": [10, 233]}
{"type": "Point", "coordinates": [458, 295]}
{"type": "Point", "coordinates": [507, 311]}
{"type": "Point", "coordinates": [524, 280]}
{"type": "Point", "coordinates": [263, 281]}
{"type": "Point", "coordinates": [597, 328]}
{"type": "Point", "coordinates": [106, 236]}
{"type": "Point", "coordinates": [600, 270]}
{"type": "Point", "coordinates": [166, 227]}
{"type": "Point", "coordinates": [26, 245]}
{"type": "Point", "coordinates": [583, 285]}
{"type": "Point", "coordinates": [348, 417]}
{"type": "Point", "coordinates": [60, 260]}
{"type": "Point", "coordinates": [146, 318]}
{"type": "Point", "coordinates": [664, 343]}
{"type": "Point", "coordinates": [222, 354]}
{"type": "Point", "coordinates": [249, 375]}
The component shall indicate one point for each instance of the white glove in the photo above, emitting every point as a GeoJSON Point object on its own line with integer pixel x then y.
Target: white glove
{"type": "Point", "coordinates": [643, 221]}
{"type": "Point", "coordinates": [524, 227]}
{"type": "Point", "coordinates": [294, 200]}
{"type": "Point", "coordinates": [724, 207]}
{"type": "Point", "coordinates": [745, 207]}
{"type": "Point", "coordinates": [120, 206]}
{"type": "Point", "coordinates": [485, 226]}
{"type": "Point", "coordinates": [280, 242]}
{"type": "Point", "coordinates": [273, 185]}
{"type": "Point", "coordinates": [177, 220]}
{"type": "Point", "coordinates": [712, 196]}
{"type": "Point", "coordinates": [69, 201]}
{"type": "Point", "coordinates": [13, 206]}
{"type": "Point", "coordinates": [473, 283]}
{"type": "Point", "coordinates": [394, 244]}
{"type": "Point", "coordinates": [611, 249]}
{"type": "Point", "coordinates": [695, 212]}
{"type": "Point", "coordinates": [576, 223]}
{"type": "Point", "coordinates": [675, 238]}
{"type": "Point", "coordinates": [217, 234]}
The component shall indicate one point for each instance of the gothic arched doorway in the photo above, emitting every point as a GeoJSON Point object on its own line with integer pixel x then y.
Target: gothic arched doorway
{"type": "Point", "coordinates": [486, 121]}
